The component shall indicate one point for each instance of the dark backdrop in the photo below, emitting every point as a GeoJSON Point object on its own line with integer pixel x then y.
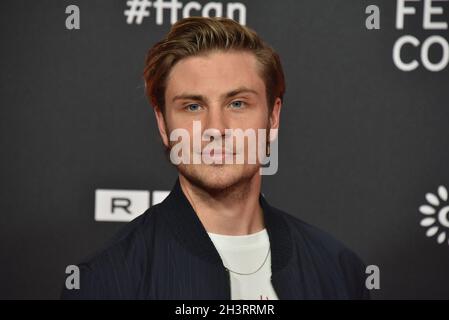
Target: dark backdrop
{"type": "Point", "coordinates": [361, 142]}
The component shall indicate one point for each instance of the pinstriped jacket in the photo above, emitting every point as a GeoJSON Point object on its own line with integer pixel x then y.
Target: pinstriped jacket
{"type": "Point", "coordinates": [166, 253]}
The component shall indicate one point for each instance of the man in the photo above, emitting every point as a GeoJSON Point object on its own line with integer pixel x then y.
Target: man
{"type": "Point", "coordinates": [215, 236]}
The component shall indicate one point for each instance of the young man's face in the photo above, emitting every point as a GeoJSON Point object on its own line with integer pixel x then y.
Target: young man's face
{"type": "Point", "coordinates": [221, 90]}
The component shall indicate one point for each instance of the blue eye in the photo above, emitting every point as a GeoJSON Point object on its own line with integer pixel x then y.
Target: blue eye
{"type": "Point", "coordinates": [237, 104]}
{"type": "Point", "coordinates": [193, 107]}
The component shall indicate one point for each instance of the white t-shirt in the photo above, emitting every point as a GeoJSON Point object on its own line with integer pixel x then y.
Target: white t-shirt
{"type": "Point", "coordinates": [245, 254]}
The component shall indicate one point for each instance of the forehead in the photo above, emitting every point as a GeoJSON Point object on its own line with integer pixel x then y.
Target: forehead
{"type": "Point", "coordinates": [215, 73]}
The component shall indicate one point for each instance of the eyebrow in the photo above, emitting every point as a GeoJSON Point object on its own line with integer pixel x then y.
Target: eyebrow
{"type": "Point", "coordinates": [226, 95]}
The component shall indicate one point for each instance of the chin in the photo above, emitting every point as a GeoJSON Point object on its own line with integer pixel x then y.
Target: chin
{"type": "Point", "coordinates": [218, 177]}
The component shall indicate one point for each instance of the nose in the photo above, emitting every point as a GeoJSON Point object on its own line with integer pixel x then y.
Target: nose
{"type": "Point", "coordinates": [215, 124]}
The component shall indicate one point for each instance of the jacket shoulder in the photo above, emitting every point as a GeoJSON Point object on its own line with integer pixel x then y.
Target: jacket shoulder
{"type": "Point", "coordinates": [329, 254]}
{"type": "Point", "coordinates": [114, 271]}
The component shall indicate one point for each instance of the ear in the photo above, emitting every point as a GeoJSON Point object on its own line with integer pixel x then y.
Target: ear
{"type": "Point", "coordinates": [161, 125]}
{"type": "Point", "coordinates": [275, 118]}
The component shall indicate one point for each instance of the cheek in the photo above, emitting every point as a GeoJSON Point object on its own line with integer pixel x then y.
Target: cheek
{"type": "Point", "coordinates": [257, 120]}
{"type": "Point", "coordinates": [176, 121]}
{"type": "Point", "coordinates": [257, 117]}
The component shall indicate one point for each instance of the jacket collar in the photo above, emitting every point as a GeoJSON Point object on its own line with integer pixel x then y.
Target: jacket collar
{"type": "Point", "coordinates": [190, 232]}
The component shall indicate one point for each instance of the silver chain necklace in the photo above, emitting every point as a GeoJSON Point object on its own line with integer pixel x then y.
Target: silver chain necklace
{"type": "Point", "coordinates": [247, 274]}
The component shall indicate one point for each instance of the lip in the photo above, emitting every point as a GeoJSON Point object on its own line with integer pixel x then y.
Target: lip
{"type": "Point", "coordinates": [218, 154]}
{"type": "Point", "coordinates": [221, 152]}
{"type": "Point", "coordinates": [218, 151]}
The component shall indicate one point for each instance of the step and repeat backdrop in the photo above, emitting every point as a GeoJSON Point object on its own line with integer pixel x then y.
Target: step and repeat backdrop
{"type": "Point", "coordinates": [363, 140]}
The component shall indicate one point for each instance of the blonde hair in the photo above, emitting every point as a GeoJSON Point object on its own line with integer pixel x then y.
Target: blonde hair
{"type": "Point", "coordinates": [198, 35]}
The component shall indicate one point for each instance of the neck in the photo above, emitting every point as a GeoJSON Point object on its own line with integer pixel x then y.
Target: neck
{"type": "Point", "coordinates": [232, 211]}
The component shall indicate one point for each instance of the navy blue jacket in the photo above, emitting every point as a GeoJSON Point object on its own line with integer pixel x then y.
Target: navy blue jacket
{"type": "Point", "coordinates": [166, 253]}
